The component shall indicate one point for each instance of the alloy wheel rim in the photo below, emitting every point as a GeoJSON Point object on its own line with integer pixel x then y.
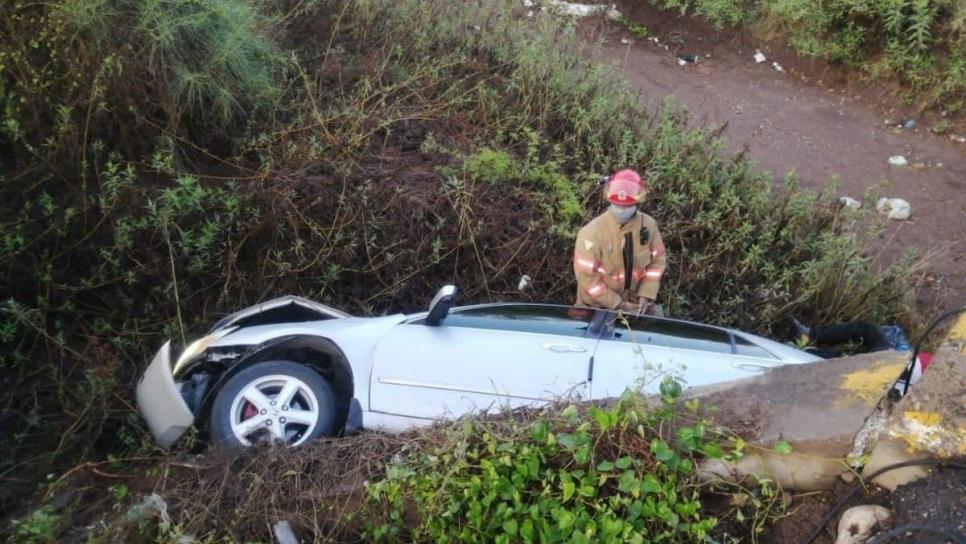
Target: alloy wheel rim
{"type": "Point", "coordinates": [275, 408]}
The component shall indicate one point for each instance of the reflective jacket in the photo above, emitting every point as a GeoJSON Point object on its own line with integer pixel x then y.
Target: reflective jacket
{"type": "Point", "coordinates": [602, 262]}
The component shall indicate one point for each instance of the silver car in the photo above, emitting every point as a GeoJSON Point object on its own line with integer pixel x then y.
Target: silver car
{"type": "Point", "coordinates": [292, 370]}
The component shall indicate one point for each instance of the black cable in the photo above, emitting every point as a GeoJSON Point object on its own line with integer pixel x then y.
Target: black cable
{"type": "Point", "coordinates": [861, 485]}
{"type": "Point", "coordinates": [955, 537]}
{"type": "Point", "coordinates": [906, 376]}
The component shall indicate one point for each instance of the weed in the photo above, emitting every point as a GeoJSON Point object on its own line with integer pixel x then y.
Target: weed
{"type": "Point", "coordinates": [638, 30]}
{"type": "Point", "coordinates": [37, 527]}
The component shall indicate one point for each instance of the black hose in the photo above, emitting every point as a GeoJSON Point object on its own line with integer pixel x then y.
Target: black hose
{"type": "Point", "coordinates": [861, 485]}
{"type": "Point", "coordinates": [955, 537]}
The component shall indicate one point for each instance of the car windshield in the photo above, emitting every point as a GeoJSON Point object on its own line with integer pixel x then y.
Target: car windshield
{"type": "Point", "coordinates": [532, 318]}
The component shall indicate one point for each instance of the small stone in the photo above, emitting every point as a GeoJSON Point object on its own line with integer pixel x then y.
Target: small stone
{"type": "Point", "coordinates": [778, 67]}
{"type": "Point", "coordinates": [627, 41]}
{"type": "Point", "coordinates": [910, 124]}
{"type": "Point", "coordinates": [898, 160]}
{"type": "Point", "coordinates": [759, 57]}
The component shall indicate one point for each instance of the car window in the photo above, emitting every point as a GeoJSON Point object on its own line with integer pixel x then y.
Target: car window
{"type": "Point", "coordinates": [638, 330]}
{"type": "Point", "coordinates": [671, 333]}
{"type": "Point", "coordinates": [750, 349]}
{"type": "Point", "coordinates": [533, 318]}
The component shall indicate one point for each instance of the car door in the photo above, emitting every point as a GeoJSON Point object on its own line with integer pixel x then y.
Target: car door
{"type": "Point", "coordinates": [640, 351]}
{"type": "Point", "coordinates": [633, 352]}
{"type": "Point", "coordinates": [482, 359]}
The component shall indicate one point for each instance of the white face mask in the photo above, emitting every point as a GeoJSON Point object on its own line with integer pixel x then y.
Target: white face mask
{"type": "Point", "coordinates": [623, 214]}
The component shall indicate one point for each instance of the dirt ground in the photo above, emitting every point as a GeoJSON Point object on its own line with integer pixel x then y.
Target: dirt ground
{"type": "Point", "coordinates": [935, 501]}
{"type": "Point", "coordinates": [812, 120]}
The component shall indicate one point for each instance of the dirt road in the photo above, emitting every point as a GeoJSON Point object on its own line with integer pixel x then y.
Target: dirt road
{"type": "Point", "coordinates": [797, 121]}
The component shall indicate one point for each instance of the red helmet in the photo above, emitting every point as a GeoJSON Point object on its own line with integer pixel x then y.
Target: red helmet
{"type": "Point", "coordinates": [625, 188]}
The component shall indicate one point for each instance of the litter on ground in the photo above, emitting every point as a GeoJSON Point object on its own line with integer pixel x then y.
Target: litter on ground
{"type": "Point", "coordinates": [850, 202]}
{"type": "Point", "coordinates": [759, 57]}
{"type": "Point", "coordinates": [898, 160]}
{"type": "Point", "coordinates": [894, 208]}
{"type": "Point", "coordinates": [586, 10]}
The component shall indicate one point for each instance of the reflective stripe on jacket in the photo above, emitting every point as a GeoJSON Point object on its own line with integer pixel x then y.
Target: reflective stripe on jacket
{"type": "Point", "coordinates": [599, 261]}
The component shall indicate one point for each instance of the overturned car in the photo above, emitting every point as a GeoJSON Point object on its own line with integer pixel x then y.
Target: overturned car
{"type": "Point", "coordinates": [292, 370]}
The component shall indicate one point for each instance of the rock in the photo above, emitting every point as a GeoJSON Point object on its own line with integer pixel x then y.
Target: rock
{"type": "Point", "coordinates": [759, 57]}
{"type": "Point", "coordinates": [909, 124]}
{"type": "Point", "coordinates": [524, 283]}
{"type": "Point", "coordinates": [850, 202]}
{"type": "Point", "coordinates": [898, 160]}
{"type": "Point", "coordinates": [894, 208]}
{"type": "Point", "coordinates": [778, 67]}
{"type": "Point", "coordinates": [858, 522]}
{"type": "Point", "coordinates": [284, 533]}
{"type": "Point", "coordinates": [627, 41]}
{"type": "Point", "coordinates": [613, 14]}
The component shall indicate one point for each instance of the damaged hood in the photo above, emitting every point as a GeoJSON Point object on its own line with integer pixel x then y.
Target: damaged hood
{"type": "Point", "coordinates": [287, 309]}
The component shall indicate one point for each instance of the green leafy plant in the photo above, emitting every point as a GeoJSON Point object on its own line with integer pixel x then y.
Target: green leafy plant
{"type": "Point", "coordinates": [37, 527]}
{"type": "Point", "coordinates": [561, 475]}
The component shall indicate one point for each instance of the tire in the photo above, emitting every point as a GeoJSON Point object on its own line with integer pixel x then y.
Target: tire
{"type": "Point", "coordinates": [247, 409]}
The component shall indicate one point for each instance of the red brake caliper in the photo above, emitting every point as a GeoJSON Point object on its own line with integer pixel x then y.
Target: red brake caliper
{"type": "Point", "coordinates": [248, 410]}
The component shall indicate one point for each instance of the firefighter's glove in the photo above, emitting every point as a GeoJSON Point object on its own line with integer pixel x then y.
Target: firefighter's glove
{"type": "Point", "coordinates": [628, 308]}
{"type": "Point", "coordinates": [646, 307]}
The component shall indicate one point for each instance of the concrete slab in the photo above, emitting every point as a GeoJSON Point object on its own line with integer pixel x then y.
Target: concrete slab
{"type": "Point", "coordinates": [931, 420]}
{"type": "Point", "coordinates": [836, 414]}
{"type": "Point", "coordinates": [818, 408]}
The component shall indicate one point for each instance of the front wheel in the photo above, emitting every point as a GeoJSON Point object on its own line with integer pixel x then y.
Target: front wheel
{"type": "Point", "coordinates": [273, 401]}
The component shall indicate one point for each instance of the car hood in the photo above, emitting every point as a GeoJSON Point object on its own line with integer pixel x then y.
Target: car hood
{"type": "Point", "coordinates": [289, 309]}
{"type": "Point", "coordinates": [333, 329]}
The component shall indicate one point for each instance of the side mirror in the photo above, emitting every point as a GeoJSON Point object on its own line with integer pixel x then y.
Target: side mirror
{"type": "Point", "coordinates": [441, 304]}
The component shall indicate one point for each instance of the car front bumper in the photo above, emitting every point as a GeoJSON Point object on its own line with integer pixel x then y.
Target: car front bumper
{"type": "Point", "coordinates": [159, 401]}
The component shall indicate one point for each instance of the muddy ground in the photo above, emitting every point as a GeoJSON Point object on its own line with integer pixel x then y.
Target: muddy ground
{"type": "Point", "coordinates": [812, 119]}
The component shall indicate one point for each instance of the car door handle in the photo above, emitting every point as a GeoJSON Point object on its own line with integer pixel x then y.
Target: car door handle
{"type": "Point", "coordinates": [753, 367]}
{"type": "Point", "coordinates": [563, 348]}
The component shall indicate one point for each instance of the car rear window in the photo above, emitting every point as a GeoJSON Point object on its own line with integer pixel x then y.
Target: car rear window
{"type": "Point", "coordinates": [538, 319]}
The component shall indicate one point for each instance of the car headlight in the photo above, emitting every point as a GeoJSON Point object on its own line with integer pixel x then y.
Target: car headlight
{"type": "Point", "coordinates": [197, 348]}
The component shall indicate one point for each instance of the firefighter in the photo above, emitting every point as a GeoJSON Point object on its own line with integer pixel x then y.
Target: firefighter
{"type": "Point", "coordinates": [619, 257]}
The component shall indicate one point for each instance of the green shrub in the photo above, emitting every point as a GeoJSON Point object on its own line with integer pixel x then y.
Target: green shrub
{"type": "Point", "coordinates": [491, 166]}
{"type": "Point", "coordinates": [605, 475]}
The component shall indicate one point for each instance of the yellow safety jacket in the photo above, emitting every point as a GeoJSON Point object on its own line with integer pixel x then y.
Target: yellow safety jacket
{"type": "Point", "coordinates": [608, 272]}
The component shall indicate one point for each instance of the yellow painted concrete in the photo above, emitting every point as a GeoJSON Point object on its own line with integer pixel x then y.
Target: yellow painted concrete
{"type": "Point", "coordinates": [958, 332]}
{"type": "Point", "coordinates": [924, 418]}
{"type": "Point", "coordinates": [869, 384]}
